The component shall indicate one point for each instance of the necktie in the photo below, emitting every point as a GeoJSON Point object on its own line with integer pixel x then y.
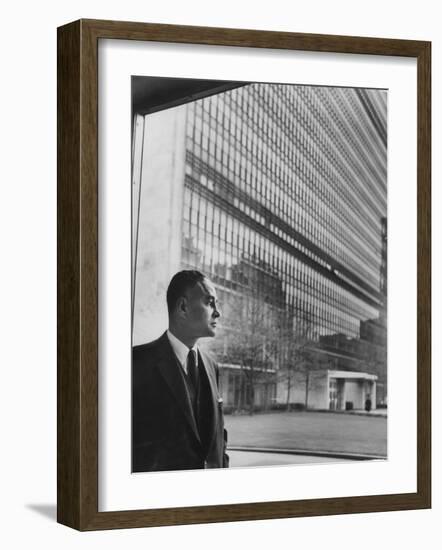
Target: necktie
{"type": "Point", "coordinates": [192, 371]}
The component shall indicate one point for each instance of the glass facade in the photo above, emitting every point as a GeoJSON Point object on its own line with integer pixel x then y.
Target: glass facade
{"type": "Point", "coordinates": [291, 180]}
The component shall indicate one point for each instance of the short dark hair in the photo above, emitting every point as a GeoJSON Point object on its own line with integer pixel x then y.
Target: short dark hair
{"type": "Point", "coordinates": [180, 283]}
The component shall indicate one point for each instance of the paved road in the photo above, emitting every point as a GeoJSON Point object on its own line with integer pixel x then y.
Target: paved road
{"type": "Point", "coordinates": [315, 431]}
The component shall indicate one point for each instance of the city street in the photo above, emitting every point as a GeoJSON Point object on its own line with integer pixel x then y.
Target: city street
{"type": "Point", "coordinates": [305, 431]}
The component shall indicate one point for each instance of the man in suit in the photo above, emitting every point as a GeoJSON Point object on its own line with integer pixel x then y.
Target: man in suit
{"type": "Point", "coordinates": [177, 416]}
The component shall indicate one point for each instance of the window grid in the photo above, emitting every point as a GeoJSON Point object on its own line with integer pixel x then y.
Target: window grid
{"type": "Point", "coordinates": [288, 157]}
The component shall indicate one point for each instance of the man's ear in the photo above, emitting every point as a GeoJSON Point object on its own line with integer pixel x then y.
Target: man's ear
{"type": "Point", "coordinates": [182, 306]}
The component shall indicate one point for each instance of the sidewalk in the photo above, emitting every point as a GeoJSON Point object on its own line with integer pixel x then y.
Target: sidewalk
{"type": "Point", "coordinates": [246, 459]}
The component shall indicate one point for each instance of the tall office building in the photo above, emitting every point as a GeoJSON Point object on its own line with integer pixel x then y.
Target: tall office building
{"type": "Point", "coordinates": [279, 194]}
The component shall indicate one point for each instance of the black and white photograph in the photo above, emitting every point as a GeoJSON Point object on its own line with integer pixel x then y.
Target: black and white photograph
{"type": "Point", "coordinates": [220, 263]}
{"type": "Point", "coordinates": [259, 274]}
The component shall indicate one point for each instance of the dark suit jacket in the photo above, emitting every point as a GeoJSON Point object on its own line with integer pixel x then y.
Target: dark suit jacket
{"type": "Point", "coordinates": [164, 430]}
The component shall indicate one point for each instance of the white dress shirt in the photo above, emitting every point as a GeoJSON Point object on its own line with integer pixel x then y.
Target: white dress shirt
{"type": "Point", "coordinates": [181, 350]}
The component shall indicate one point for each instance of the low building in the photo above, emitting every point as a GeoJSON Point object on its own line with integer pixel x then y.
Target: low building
{"type": "Point", "coordinates": [329, 390]}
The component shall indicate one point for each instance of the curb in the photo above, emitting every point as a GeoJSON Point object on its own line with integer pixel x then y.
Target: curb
{"type": "Point", "coordinates": [354, 412]}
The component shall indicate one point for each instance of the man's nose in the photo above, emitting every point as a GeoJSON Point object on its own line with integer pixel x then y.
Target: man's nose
{"type": "Point", "coordinates": [216, 313]}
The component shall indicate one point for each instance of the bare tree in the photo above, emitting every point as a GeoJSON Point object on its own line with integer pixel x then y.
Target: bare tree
{"type": "Point", "coordinates": [251, 343]}
{"type": "Point", "coordinates": [298, 354]}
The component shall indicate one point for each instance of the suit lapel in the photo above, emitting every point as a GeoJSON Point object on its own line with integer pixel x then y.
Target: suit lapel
{"type": "Point", "coordinates": [171, 371]}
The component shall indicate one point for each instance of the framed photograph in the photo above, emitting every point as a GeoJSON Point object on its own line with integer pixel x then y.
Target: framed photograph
{"type": "Point", "coordinates": [243, 275]}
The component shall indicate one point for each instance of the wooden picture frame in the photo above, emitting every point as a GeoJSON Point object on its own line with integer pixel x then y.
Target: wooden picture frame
{"type": "Point", "coordinates": [77, 224]}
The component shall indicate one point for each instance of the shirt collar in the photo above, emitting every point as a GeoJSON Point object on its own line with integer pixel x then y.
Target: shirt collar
{"type": "Point", "coordinates": [181, 350]}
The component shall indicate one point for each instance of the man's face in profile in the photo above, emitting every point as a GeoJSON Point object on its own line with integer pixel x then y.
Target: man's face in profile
{"type": "Point", "coordinates": [202, 312]}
